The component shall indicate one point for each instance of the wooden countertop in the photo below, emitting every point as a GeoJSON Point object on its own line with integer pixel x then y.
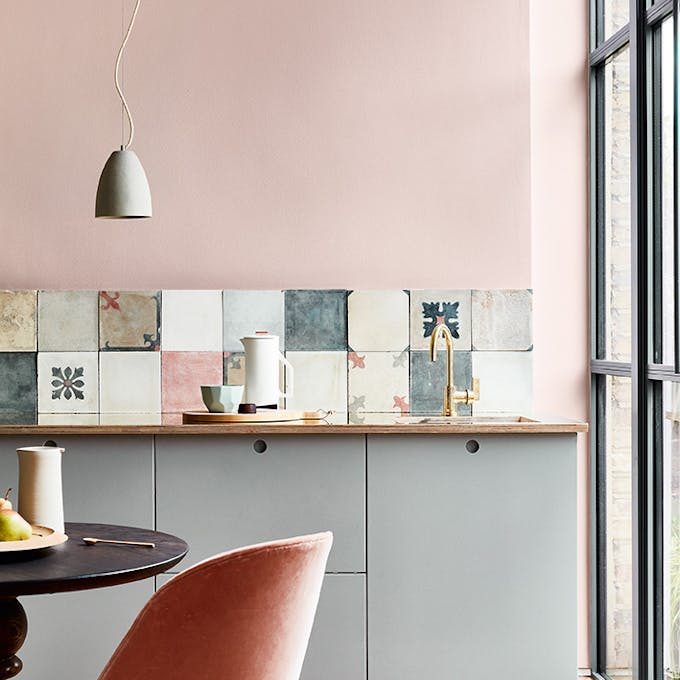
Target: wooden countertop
{"type": "Point", "coordinates": [383, 423]}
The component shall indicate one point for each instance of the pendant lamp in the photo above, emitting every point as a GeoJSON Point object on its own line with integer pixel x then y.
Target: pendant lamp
{"type": "Point", "coordinates": [123, 191]}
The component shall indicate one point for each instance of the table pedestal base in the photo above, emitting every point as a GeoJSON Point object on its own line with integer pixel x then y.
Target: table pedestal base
{"type": "Point", "coordinates": [13, 629]}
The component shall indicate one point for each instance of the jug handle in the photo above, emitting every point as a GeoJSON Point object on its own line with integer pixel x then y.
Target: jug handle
{"type": "Point", "coordinates": [289, 376]}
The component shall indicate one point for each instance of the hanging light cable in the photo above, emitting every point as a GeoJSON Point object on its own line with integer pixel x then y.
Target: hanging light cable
{"type": "Point", "coordinates": [123, 190]}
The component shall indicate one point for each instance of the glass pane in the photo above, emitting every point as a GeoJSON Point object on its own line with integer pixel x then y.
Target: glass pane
{"type": "Point", "coordinates": [668, 289]}
{"type": "Point", "coordinates": [671, 542]}
{"type": "Point", "coordinates": [617, 232]}
{"type": "Point", "coordinates": [618, 527]}
{"type": "Point", "coordinates": [615, 16]}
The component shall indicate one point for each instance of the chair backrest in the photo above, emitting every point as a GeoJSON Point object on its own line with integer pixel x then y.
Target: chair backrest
{"type": "Point", "coordinates": [241, 615]}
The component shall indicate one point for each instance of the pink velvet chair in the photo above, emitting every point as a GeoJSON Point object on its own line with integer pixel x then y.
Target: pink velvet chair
{"type": "Point", "coordinates": [242, 615]}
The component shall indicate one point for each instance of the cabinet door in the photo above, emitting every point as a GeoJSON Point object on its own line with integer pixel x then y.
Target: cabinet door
{"type": "Point", "coordinates": [107, 479]}
{"type": "Point", "coordinates": [219, 492]}
{"type": "Point", "coordinates": [337, 648]}
{"type": "Point", "coordinates": [72, 635]}
{"type": "Point", "coordinates": [472, 557]}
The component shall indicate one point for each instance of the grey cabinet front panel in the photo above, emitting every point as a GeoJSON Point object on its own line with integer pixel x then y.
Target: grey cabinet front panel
{"type": "Point", "coordinates": [472, 557]}
{"type": "Point", "coordinates": [73, 635]}
{"type": "Point", "coordinates": [337, 645]}
{"type": "Point", "coordinates": [218, 493]}
{"type": "Point", "coordinates": [107, 479]}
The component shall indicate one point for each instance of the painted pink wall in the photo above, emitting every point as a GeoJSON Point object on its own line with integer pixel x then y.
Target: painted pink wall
{"type": "Point", "coordinates": [380, 144]}
{"type": "Point", "coordinates": [559, 213]}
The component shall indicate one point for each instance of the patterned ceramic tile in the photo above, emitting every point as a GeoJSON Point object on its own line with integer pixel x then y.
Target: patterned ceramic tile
{"type": "Point", "coordinates": [182, 375]}
{"type": "Point", "coordinates": [432, 307]}
{"type": "Point", "coordinates": [506, 381]}
{"type": "Point", "coordinates": [501, 319]}
{"type": "Point", "coordinates": [361, 418]}
{"type": "Point", "coordinates": [130, 320]}
{"type": "Point", "coordinates": [18, 385]}
{"type": "Point", "coordinates": [68, 382]}
{"type": "Point", "coordinates": [378, 320]}
{"type": "Point", "coordinates": [378, 381]}
{"type": "Point", "coordinates": [68, 419]}
{"type": "Point", "coordinates": [428, 380]}
{"type": "Point", "coordinates": [247, 311]}
{"type": "Point", "coordinates": [18, 320]}
{"type": "Point", "coordinates": [316, 320]}
{"type": "Point", "coordinates": [320, 380]}
{"type": "Point", "coordinates": [67, 320]}
{"type": "Point", "coordinates": [192, 320]}
{"type": "Point", "coordinates": [130, 382]}
{"type": "Point", "coordinates": [234, 368]}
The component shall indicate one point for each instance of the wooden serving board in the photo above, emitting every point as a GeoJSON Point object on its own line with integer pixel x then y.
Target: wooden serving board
{"type": "Point", "coordinates": [264, 416]}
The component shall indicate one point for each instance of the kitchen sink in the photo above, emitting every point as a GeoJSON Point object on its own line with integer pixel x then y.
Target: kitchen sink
{"type": "Point", "coordinates": [466, 420]}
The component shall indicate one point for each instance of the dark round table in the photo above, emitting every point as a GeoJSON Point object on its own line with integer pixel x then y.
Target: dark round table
{"type": "Point", "coordinates": [75, 566]}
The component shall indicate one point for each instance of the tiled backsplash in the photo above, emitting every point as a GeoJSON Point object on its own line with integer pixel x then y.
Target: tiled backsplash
{"type": "Point", "coordinates": [357, 351]}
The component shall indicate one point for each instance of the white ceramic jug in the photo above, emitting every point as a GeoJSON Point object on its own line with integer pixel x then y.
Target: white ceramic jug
{"type": "Point", "coordinates": [40, 493]}
{"type": "Point", "coordinates": [262, 370]}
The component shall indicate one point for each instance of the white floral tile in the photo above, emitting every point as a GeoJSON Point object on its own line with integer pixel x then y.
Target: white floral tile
{"type": "Point", "coordinates": [191, 320]}
{"type": "Point", "coordinates": [378, 320]}
{"type": "Point", "coordinates": [68, 382]}
{"type": "Point", "coordinates": [320, 381]}
{"type": "Point", "coordinates": [247, 311]}
{"type": "Point", "coordinates": [130, 382]}
{"type": "Point", "coordinates": [378, 382]}
{"type": "Point", "coordinates": [18, 320]}
{"type": "Point", "coordinates": [68, 320]}
{"type": "Point", "coordinates": [501, 320]}
{"type": "Point", "coordinates": [506, 381]}
{"type": "Point", "coordinates": [430, 308]}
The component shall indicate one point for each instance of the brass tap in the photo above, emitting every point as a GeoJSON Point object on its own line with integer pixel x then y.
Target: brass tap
{"type": "Point", "coordinates": [451, 396]}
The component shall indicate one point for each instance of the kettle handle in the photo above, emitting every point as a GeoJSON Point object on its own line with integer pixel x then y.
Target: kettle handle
{"type": "Point", "coordinates": [289, 376]}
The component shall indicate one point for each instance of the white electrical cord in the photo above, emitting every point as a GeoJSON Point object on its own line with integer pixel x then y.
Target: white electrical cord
{"type": "Point", "coordinates": [118, 88]}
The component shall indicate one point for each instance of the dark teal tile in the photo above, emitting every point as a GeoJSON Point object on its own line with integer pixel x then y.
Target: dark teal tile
{"type": "Point", "coordinates": [316, 320]}
{"type": "Point", "coordinates": [428, 380]}
{"type": "Point", "coordinates": [18, 383]}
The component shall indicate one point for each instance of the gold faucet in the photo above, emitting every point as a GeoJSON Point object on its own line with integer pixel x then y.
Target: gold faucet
{"type": "Point", "coordinates": [451, 396]}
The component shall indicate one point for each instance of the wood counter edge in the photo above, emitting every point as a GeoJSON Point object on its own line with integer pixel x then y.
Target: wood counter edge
{"type": "Point", "coordinates": [320, 428]}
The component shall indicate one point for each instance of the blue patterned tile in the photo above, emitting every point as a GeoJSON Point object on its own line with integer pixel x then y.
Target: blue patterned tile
{"type": "Point", "coordinates": [428, 380]}
{"type": "Point", "coordinates": [18, 384]}
{"type": "Point", "coordinates": [316, 320]}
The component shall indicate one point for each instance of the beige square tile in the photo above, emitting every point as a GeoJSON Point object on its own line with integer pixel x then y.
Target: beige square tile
{"type": "Point", "coordinates": [18, 320]}
{"type": "Point", "coordinates": [129, 319]}
{"type": "Point", "coordinates": [506, 381]}
{"type": "Point", "coordinates": [67, 320]}
{"type": "Point", "coordinates": [320, 381]}
{"type": "Point", "coordinates": [191, 320]}
{"type": "Point", "coordinates": [501, 320]}
{"type": "Point", "coordinates": [130, 382]}
{"type": "Point", "coordinates": [378, 320]}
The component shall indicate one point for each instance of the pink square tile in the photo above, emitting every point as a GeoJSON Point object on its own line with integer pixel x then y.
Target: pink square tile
{"type": "Point", "coordinates": [183, 373]}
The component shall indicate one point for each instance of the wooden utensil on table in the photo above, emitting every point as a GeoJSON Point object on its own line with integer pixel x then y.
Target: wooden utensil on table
{"type": "Point", "coordinates": [94, 541]}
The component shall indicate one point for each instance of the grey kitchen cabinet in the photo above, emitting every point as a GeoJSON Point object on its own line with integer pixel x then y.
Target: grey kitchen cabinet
{"type": "Point", "coordinates": [108, 480]}
{"type": "Point", "coordinates": [472, 557]}
{"type": "Point", "coordinates": [220, 493]}
{"type": "Point", "coordinates": [337, 646]}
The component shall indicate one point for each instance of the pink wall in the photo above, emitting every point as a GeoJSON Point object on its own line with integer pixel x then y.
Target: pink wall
{"type": "Point", "coordinates": [559, 203]}
{"type": "Point", "coordinates": [306, 143]}
{"type": "Point", "coordinates": [381, 144]}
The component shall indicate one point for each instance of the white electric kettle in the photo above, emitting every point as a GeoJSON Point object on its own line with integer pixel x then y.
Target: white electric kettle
{"type": "Point", "coordinates": [262, 370]}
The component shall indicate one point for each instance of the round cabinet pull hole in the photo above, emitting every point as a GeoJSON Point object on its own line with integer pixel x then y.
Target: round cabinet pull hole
{"type": "Point", "coordinates": [260, 446]}
{"type": "Point", "coordinates": [472, 446]}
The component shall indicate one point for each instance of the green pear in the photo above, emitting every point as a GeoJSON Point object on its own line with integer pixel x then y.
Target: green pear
{"type": "Point", "coordinates": [13, 527]}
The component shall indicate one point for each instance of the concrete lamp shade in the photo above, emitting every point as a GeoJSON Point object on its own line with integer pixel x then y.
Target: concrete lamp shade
{"type": "Point", "coordinates": [123, 191]}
